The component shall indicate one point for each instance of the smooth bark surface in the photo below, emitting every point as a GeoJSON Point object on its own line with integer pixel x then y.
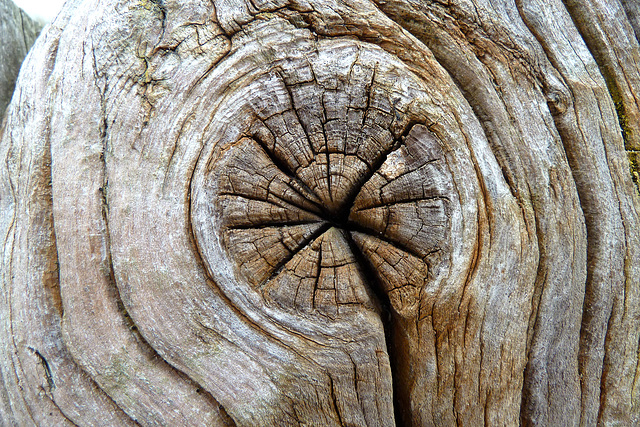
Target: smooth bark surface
{"type": "Point", "coordinates": [397, 212]}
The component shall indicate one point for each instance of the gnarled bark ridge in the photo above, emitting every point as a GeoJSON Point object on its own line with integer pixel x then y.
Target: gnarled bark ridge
{"type": "Point", "coordinates": [283, 212]}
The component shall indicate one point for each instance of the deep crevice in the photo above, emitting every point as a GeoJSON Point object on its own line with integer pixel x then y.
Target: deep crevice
{"type": "Point", "coordinates": [280, 266]}
{"type": "Point", "coordinates": [47, 369]}
{"type": "Point", "coordinates": [272, 225]}
{"type": "Point", "coordinates": [347, 205]}
{"type": "Point", "coordinates": [401, 404]}
{"type": "Point", "coordinates": [353, 226]}
{"type": "Point", "coordinates": [284, 168]}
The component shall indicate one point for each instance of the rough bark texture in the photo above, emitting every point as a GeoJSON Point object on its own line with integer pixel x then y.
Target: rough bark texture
{"type": "Point", "coordinates": [335, 212]}
{"type": "Point", "coordinates": [17, 34]}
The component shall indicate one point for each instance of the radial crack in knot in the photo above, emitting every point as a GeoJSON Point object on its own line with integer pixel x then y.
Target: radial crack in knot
{"type": "Point", "coordinates": [332, 197]}
{"type": "Point", "coordinates": [293, 235]}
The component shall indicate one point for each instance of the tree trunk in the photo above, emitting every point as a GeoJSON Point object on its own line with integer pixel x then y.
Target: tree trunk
{"type": "Point", "coordinates": [18, 32]}
{"type": "Point", "coordinates": [336, 212]}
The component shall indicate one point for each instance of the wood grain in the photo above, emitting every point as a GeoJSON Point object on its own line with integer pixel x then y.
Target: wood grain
{"type": "Point", "coordinates": [323, 213]}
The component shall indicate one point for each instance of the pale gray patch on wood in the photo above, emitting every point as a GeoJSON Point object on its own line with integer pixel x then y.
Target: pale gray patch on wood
{"type": "Point", "coordinates": [19, 32]}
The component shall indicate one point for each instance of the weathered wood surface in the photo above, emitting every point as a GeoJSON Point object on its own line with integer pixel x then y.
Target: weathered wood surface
{"type": "Point", "coordinates": [320, 213]}
{"type": "Point", "coordinates": [17, 34]}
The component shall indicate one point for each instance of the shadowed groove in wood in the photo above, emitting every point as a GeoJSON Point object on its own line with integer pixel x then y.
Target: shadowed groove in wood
{"type": "Point", "coordinates": [381, 159]}
{"type": "Point", "coordinates": [322, 257]}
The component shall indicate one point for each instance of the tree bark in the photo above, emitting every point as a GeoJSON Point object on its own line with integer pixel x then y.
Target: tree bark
{"type": "Point", "coordinates": [398, 212]}
{"type": "Point", "coordinates": [19, 32]}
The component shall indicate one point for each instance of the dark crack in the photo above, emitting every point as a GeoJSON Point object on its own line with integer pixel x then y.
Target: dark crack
{"type": "Point", "coordinates": [325, 213]}
{"type": "Point", "coordinates": [289, 254]}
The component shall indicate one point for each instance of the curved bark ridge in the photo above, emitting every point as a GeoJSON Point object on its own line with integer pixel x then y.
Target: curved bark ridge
{"type": "Point", "coordinates": [311, 220]}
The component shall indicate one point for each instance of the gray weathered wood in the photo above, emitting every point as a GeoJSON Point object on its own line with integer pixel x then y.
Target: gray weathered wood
{"type": "Point", "coordinates": [17, 34]}
{"type": "Point", "coordinates": [333, 212]}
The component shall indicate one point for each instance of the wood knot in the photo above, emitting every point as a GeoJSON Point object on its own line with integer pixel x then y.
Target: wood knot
{"type": "Point", "coordinates": [332, 199]}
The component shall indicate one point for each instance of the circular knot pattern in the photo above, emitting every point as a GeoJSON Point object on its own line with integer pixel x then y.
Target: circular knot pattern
{"type": "Point", "coordinates": [331, 198]}
{"type": "Point", "coordinates": [311, 233]}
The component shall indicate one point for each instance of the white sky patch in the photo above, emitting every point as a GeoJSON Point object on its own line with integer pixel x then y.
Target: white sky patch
{"type": "Point", "coordinates": [40, 10]}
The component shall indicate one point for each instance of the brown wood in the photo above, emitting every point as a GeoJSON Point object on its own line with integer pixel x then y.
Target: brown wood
{"type": "Point", "coordinates": [260, 213]}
